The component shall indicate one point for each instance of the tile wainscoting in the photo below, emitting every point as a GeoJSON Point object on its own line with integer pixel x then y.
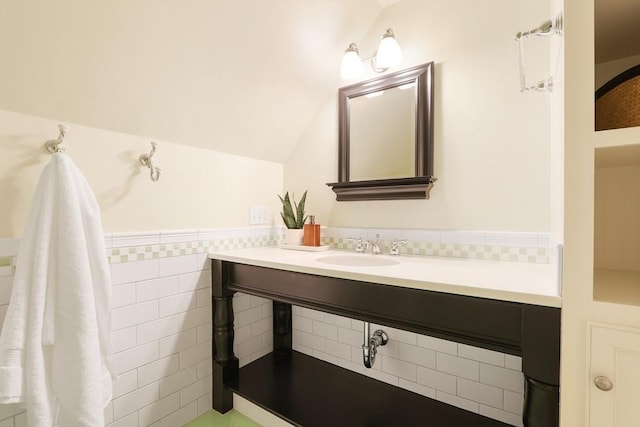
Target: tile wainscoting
{"type": "Point", "coordinates": [161, 324]}
{"type": "Point", "coordinates": [492, 246]}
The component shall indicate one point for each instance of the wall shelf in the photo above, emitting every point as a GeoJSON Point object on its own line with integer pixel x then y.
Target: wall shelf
{"type": "Point", "coordinates": [384, 189]}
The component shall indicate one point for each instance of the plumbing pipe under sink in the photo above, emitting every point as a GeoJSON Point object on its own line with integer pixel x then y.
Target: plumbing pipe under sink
{"type": "Point", "coordinates": [371, 344]}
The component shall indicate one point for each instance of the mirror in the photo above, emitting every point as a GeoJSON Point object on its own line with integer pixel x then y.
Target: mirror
{"type": "Point", "coordinates": [382, 125]}
{"type": "Point", "coordinates": [386, 137]}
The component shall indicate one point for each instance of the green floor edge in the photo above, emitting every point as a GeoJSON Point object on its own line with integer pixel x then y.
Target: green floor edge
{"type": "Point", "coordinates": [232, 418]}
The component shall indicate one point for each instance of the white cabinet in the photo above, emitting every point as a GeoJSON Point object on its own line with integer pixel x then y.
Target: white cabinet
{"type": "Point", "coordinates": [615, 363]}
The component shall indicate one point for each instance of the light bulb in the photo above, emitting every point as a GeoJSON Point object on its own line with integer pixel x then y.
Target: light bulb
{"type": "Point", "coordinates": [351, 66]}
{"type": "Point", "coordinates": [389, 53]}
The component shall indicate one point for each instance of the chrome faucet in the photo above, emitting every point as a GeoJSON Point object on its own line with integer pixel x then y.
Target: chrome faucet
{"type": "Point", "coordinates": [375, 247]}
{"type": "Point", "coordinates": [360, 245]}
{"type": "Point", "coordinates": [395, 249]}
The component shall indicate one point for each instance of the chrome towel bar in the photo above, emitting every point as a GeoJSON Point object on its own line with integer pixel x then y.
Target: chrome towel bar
{"type": "Point", "coordinates": [548, 27]}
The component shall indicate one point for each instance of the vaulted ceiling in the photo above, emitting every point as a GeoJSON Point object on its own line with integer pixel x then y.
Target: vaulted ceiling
{"type": "Point", "coordinates": [244, 77]}
{"type": "Point", "coordinates": [239, 76]}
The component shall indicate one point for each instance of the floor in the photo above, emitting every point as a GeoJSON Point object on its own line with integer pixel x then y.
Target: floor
{"type": "Point", "coordinates": [232, 418]}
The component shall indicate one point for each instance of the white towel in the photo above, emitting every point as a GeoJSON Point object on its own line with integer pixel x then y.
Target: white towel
{"type": "Point", "coordinates": [55, 349]}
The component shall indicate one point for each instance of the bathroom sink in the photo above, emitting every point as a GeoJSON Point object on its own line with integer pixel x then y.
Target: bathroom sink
{"type": "Point", "coordinates": [358, 260]}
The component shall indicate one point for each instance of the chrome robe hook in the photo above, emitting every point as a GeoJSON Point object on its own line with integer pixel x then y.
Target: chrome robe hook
{"type": "Point", "coordinates": [56, 145]}
{"type": "Point", "coordinates": [145, 160]}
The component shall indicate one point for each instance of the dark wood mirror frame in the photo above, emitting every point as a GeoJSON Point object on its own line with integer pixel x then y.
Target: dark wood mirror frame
{"type": "Point", "coordinates": [416, 187]}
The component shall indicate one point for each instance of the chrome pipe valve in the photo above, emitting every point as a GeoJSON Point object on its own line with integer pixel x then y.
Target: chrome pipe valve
{"type": "Point", "coordinates": [371, 344]}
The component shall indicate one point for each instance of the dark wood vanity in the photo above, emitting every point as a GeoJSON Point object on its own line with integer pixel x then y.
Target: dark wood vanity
{"type": "Point", "coordinates": [308, 392]}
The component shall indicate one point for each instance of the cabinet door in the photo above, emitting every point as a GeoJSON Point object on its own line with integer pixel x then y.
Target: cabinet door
{"type": "Point", "coordinates": [615, 363]}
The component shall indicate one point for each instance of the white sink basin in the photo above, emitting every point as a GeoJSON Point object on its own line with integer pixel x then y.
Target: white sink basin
{"type": "Point", "coordinates": [358, 260]}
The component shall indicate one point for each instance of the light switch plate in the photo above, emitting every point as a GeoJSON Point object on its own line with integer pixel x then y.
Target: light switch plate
{"type": "Point", "coordinates": [258, 215]}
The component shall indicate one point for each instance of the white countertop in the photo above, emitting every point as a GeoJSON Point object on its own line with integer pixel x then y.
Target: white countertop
{"type": "Point", "coordinates": [508, 281]}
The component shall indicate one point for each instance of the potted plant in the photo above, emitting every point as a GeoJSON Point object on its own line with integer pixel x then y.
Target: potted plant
{"type": "Point", "coordinates": [293, 218]}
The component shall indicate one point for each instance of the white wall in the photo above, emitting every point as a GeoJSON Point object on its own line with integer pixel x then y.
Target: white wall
{"type": "Point", "coordinates": [556, 113]}
{"type": "Point", "coordinates": [197, 188]}
{"type": "Point", "coordinates": [492, 144]}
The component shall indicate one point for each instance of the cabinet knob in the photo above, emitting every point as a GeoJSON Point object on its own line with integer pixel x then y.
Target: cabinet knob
{"type": "Point", "coordinates": [603, 383]}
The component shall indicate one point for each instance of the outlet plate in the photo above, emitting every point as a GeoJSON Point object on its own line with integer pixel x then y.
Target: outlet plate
{"type": "Point", "coordinates": [258, 215]}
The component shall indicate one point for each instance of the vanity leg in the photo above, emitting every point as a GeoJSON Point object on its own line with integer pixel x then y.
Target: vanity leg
{"type": "Point", "coordinates": [541, 366]}
{"type": "Point", "coordinates": [225, 364]}
{"type": "Point", "coordinates": [282, 328]}
{"type": "Point", "coordinates": [541, 404]}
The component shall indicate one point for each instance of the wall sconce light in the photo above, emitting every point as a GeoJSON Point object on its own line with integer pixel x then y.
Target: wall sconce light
{"type": "Point", "coordinates": [387, 55]}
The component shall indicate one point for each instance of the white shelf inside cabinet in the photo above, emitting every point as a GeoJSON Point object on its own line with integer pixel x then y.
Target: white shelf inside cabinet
{"type": "Point", "coordinates": [617, 137]}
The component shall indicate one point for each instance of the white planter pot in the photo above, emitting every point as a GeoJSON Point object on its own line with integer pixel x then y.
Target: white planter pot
{"type": "Point", "coordinates": [293, 236]}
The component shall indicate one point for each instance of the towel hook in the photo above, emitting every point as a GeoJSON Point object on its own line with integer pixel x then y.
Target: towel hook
{"type": "Point", "coordinates": [145, 160]}
{"type": "Point", "coordinates": [56, 145]}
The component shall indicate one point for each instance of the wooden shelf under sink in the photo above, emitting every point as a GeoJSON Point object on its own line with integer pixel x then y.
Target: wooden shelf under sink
{"type": "Point", "coordinates": [309, 392]}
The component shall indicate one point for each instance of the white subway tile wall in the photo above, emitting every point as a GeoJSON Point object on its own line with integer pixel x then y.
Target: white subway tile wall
{"type": "Point", "coordinates": [477, 380]}
{"type": "Point", "coordinates": [161, 325]}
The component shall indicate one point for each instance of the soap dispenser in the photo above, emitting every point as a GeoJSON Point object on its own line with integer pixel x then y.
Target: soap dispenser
{"type": "Point", "coordinates": [311, 233]}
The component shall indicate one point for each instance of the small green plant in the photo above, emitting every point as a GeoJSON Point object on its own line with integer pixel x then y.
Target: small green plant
{"type": "Point", "coordinates": [293, 216]}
